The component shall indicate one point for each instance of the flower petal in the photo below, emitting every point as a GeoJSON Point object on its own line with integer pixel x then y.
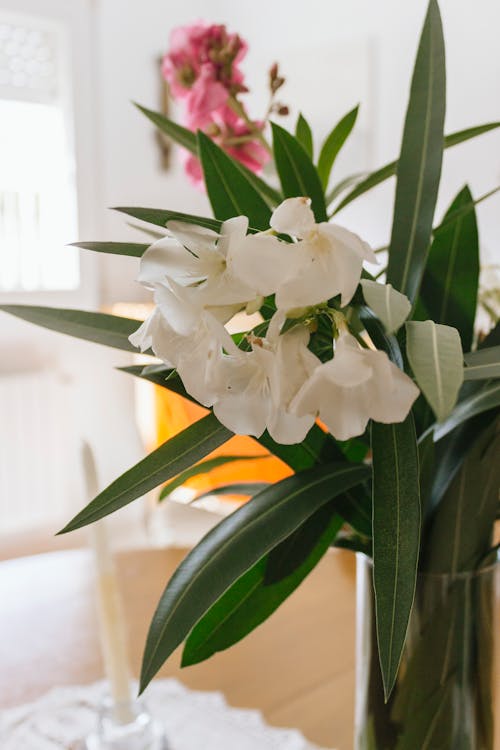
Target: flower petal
{"type": "Point", "coordinates": [193, 236]}
{"type": "Point", "coordinates": [392, 392]}
{"type": "Point", "coordinates": [244, 413]}
{"type": "Point", "coordinates": [262, 262]}
{"type": "Point", "coordinates": [178, 305]}
{"type": "Point", "coordinates": [288, 429]}
{"type": "Point", "coordinates": [294, 216]}
{"type": "Point", "coordinates": [348, 240]}
{"type": "Point", "coordinates": [167, 257]}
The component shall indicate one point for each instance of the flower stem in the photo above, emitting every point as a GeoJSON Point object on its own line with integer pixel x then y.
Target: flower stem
{"type": "Point", "coordinates": [237, 107]}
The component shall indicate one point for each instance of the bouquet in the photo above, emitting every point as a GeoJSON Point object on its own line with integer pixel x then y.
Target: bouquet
{"type": "Point", "coordinates": [375, 390]}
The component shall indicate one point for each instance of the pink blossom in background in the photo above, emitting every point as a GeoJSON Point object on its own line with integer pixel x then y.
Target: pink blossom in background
{"type": "Point", "coordinates": [201, 66]}
{"type": "Point", "coordinates": [202, 69]}
{"type": "Point", "coordinates": [223, 126]}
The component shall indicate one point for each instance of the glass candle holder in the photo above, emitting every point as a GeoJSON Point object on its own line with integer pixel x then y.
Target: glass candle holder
{"type": "Point", "coordinates": [127, 726]}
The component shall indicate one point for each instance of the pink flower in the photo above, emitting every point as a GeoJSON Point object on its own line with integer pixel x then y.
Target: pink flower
{"type": "Point", "coordinates": [202, 66]}
{"type": "Point", "coordinates": [235, 136]}
{"type": "Point", "coordinates": [206, 95]}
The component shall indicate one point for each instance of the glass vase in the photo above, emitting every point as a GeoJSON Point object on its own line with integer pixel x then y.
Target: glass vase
{"type": "Point", "coordinates": [447, 690]}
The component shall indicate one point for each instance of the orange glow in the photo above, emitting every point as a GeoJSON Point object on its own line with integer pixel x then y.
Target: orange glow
{"type": "Point", "coordinates": [174, 413]}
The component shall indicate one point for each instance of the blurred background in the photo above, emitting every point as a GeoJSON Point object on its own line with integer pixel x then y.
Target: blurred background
{"type": "Point", "coordinates": [72, 145]}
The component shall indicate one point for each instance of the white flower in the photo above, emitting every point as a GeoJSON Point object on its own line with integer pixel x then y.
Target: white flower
{"type": "Point", "coordinates": [196, 357]}
{"type": "Point", "coordinates": [259, 385]}
{"type": "Point", "coordinates": [193, 273]}
{"type": "Point", "coordinates": [355, 386]}
{"type": "Point", "coordinates": [328, 260]}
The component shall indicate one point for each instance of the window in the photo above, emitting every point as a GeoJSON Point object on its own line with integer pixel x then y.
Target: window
{"type": "Point", "coordinates": [38, 213]}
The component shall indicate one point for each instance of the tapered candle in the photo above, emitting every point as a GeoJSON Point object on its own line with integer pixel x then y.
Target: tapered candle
{"type": "Point", "coordinates": [112, 631]}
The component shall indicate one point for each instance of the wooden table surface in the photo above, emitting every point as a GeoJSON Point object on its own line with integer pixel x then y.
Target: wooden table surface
{"type": "Point", "coordinates": [297, 668]}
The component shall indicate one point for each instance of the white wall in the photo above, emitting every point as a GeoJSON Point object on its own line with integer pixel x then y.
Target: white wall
{"type": "Point", "coordinates": [133, 35]}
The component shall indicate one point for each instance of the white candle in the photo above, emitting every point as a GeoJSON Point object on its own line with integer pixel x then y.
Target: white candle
{"type": "Point", "coordinates": [112, 630]}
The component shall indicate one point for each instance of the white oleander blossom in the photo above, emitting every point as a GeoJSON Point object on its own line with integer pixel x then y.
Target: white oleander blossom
{"type": "Point", "coordinates": [326, 261]}
{"type": "Point", "coordinates": [197, 357]}
{"type": "Point", "coordinates": [355, 386]}
{"type": "Point", "coordinates": [259, 385]}
{"type": "Point", "coordinates": [192, 272]}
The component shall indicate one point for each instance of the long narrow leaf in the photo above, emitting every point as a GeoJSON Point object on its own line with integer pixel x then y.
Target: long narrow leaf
{"type": "Point", "coordinates": [232, 547]}
{"type": "Point", "coordinates": [448, 293]}
{"type": "Point", "coordinates": [175, 455]}
{"type": "Point", "coordinates": [396, 538]}
{"type": "Point", "coordinates": [297, 173]}
{"type": "Point", "coordinates": [483, 364]}
{"type": "Point", "coordinates": [252, 598]}
{"type": "Point", "coordinates": [483, 400]}
{"type": "Point", "coordinates": [246, 489]}
{"type": "Point", "coordinates": [461, 527]}
{"type": "Point", "coordinates": [177, 133]}
{"type": "Point", "coordinates": [160, 217]}
{"type": "Point", "coordinates": [272, 196]}
{"type": "Point", "coordinates": [133, 249]}
{"type": "Point", "coordinates": [303, 134]}
{"type": "Point", "coordinates": [389, 170]}
{"type": "Point", "coordinates": [187, 139]}
{"type": "Point", "coordinates": [333, 144]}
{"type": "Point", "coordinates": [202, 468]}
{"type": "Point", "coordinates": [343, 185]}
{"type": "Point", "coordinates": [229, 191]}
{"type": "Point", "coordinates": [108, 330]}
{"type": "Point", "coordinates": [419, 166]}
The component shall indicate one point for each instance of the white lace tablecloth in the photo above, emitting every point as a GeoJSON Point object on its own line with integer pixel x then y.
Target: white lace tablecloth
{"type": "Point", "coordinates": [192, 720]}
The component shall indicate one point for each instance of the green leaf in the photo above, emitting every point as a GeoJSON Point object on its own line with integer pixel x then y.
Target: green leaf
{"type": "Point", "coordinates": [273, 197]}
{"type": "Point", "coordinates": [344, 185]}
{"type": "Point", "coordinates": [483, 400]}
{"type": "Point", "coordinates": [396, 538]}
{"type": "Point", "coordinates": [462, 211]}
{"type": "Point", "coordinates": [448, 293]}
{"type": "Point", "coordinates": [382, 340]}
{"type": "Point", "coordinates": [389, 305]}
{"type": "Point", "coordinates": [133, 249]}
{"type": "Point", "coordinates": [162, 376]}
{"type": "Point", "coordinates": [229, 191]}
{"type": "Point", "coordinates": [303, 134]}
{"type": "Point", "coordinates": [175, 455]}
{"type": "Point", "coordinates": [187, 139]}
{"type": "Point", "coordinates": [389, 170]}
{"type": "Point", "coordinates": [461, 528]}
{"type": "Point", "coordinates": [234, 546]}
{"type": "Point", "coordinates": [252, 598]}
{"type": "Point", "coordinates": [177, 133]}
{"type": "Point", "coordinates": [435, 355]}
{"type": "Point", "coordinates": [450, 452]}
{"type": "Point", "coordinates": [297, 173]}
{"type": "Point", "coordinates": [237, 488]}
{"type": "Point", "coordinates": [108, 330]}
{"type": "Point", "coordinates": [202, 468]}
{"type": "Point", "coordinates": [419, 166]}
{"type": "Point", "coordinates": [333, 144]}
{"type": "Point", "coordinates": [483, 364]}
{"type": "Point", "coordinates": [426, 464]}
{"type": "Point", "coordinates": [160, 217]}
{"type": "Point", "coordinates": [465, 135]}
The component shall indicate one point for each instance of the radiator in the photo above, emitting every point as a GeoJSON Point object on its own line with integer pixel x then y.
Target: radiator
{"type": "Point", "coordinates": [40, 473]}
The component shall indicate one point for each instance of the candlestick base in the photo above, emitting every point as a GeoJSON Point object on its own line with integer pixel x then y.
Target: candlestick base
{"type": "Point", "coordinates": [126, 726]}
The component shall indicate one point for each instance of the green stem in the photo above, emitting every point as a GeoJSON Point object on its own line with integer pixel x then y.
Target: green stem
{"type": "Point", "coordinates": [237, 107]}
